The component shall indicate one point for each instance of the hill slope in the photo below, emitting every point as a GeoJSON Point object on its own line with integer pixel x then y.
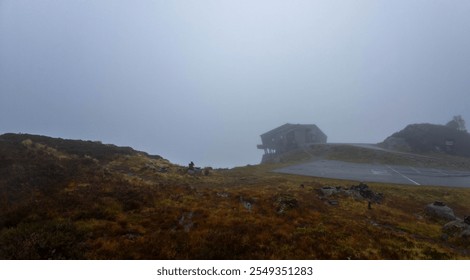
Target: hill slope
{"type": "Point", "coordinates": [425, 138]}
{"type": "Point", "coordinates": [63, 199]}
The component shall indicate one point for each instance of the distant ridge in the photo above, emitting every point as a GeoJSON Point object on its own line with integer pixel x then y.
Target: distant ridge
{"type": "Point", "coordinates": [80, 148]}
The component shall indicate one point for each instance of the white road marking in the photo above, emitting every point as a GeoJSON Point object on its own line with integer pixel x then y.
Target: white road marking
{"type": "Point", "coordinates": [411, 180]}
{"type": "Point", "coordinates": [378, 172]}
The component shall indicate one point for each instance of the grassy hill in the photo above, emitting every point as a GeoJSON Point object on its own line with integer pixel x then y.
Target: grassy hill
{"type": "Point", "coordinates": [425, 138]}
{"type": "Point", "coordinates": [71, 199]}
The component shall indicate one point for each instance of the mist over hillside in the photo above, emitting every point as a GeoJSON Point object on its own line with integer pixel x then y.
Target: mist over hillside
{"type": "Point", "coordinates": [430, 138]}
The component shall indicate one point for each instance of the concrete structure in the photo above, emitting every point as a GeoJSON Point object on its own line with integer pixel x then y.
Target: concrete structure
{"type": "Point", "coordinates": [290, 137]}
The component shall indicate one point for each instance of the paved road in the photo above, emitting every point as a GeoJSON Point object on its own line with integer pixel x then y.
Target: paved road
{"type": "Point", "coordinates": [380, 173]}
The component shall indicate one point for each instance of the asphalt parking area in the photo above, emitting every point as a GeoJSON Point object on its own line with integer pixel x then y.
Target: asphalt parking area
{"type": "Point", "coordinates": [380, 173]}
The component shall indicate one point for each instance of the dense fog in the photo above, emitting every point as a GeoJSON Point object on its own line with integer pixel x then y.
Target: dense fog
{"type": "Point", "coordinates": [201, 80]}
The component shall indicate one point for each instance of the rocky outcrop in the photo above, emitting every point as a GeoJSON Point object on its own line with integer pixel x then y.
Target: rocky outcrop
{"type": "Point", "coordinates": [329, 191]}
{"type": "Point", "coordinates": [285, 202]}
{"type": "Point", "coordinates": [458, 228]}
{"type": "Point", "coordinates": [365, 192]}
{"type": "Point", "coordinates": [424, 138]}
{"type": "Point", "coordinates": [361, 191]}
{"type": "Point", "coordinates": [439, 210]}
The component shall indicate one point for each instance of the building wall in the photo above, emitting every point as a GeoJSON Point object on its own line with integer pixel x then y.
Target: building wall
{"type": "Point", "coordinates": [290, 137]}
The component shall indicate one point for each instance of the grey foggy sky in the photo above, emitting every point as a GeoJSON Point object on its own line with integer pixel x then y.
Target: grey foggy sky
{"type": "Point", "coordinates": [201, 80]}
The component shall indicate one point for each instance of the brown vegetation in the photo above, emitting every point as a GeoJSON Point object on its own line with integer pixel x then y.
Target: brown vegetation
{"type": "Point", "coordinates": [58, 204]}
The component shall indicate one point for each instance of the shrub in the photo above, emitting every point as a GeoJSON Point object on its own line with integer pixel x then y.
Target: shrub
{"type": "Point", "coordinates": [49, 240]}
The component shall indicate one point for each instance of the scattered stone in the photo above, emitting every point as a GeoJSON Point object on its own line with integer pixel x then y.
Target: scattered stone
{"type": "Point", "coordinates": [196, 171]}
{"type": "Point", "coordinates": [333, 202]}
{"type": "Point", "coordinates": [163, 169]}
{"type": "Point", "coordinates": [186, 221]}
{"type": "Point", "coordinates": [456, 228]}
{"type": "Point", "coordinates": [329, 191]}
{"type": "Point", "coordinates": [285, 202]}
{"type": "Point", "coordinates": [440, 210]}
{"type": "Point", "coordinates": [222, 194]}
{"type": "Point", "coordinates": [246, 203]}
{"type": "Point", "coordinates": [149, 166]}
{"type": "Point", "coordinates": [360, 191]}
{"type": "Point", "coordinates": [364, 191]}
{"type": "Point", "coordinates": [419, 217]}
{"type": "Point", "coordinates": [375, 224]}
{"type": "Point", "coordinates": [467, 220]}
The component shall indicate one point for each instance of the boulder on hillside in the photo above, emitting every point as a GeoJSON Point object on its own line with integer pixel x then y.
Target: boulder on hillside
{"type": "Point", "coordinates": [285, 202]}
{"type": "Point", "coordinates": [457, 228]}
{"type": "Point", "coordinates": [329, 191]}
{"type": "Point", "coordinates": [361, 191]}
{"type": "Point", "coordinates": [439, 210]}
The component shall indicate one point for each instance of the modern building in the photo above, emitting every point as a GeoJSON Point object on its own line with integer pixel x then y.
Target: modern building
{"type": "Point", "coordinates": [290, 137]}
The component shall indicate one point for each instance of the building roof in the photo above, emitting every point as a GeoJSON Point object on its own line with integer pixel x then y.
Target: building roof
{"type": "Point", "coordinates": [289, 127]}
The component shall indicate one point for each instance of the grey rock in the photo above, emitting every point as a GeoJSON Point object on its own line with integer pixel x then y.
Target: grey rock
{"type": "Point", "coordinates": [363, 191]}
{"type": "Point", "coordinates": [333, 202]}
{"type": "Point", "coordinates": [247, 203]}
{"type": "Point", "coordinates": [456, 228]}
{"type": "Point", "coordinates": [440, 212]}
{"type": "Point", "coordinates": [222, 194]}
{"type": "Point", "coordinates": [186, 221]}
{"type": "Point", "coordinates": [329, 191]}
{"type": "Point", "coordinates": [163, 169]}
{"type": "Point", "coordinates": [285, 202]}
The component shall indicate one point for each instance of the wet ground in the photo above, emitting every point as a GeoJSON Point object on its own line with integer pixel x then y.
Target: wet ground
{"type": "Point", "coordinates": [380, 173]}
